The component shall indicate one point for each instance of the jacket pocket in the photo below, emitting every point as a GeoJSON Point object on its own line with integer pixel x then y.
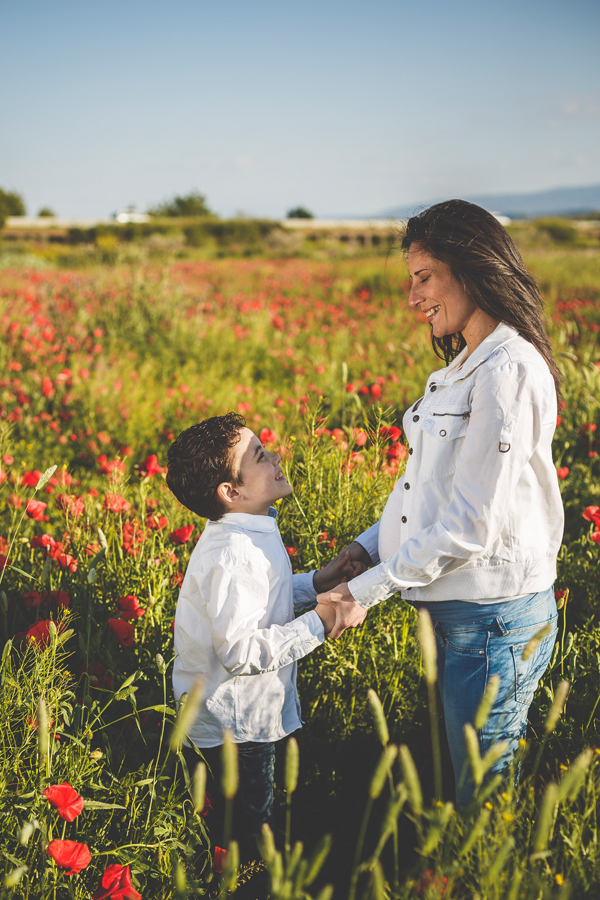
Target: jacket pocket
{"type": "Point", "coordinates": [449, 426]}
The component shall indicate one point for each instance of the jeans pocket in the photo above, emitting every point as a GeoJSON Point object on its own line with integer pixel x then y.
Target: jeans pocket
{"type": "Point", "coordinates": [527, 673]}
{"type": "Point", "coordinates": [473, 642]}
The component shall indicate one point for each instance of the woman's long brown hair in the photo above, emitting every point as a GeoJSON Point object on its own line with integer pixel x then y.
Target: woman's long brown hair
{"type": "Point", "coordinates": [485, 261]}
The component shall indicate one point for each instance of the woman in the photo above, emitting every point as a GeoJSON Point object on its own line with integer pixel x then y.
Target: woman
{"type": "Point", "coordinates": [473, 528]}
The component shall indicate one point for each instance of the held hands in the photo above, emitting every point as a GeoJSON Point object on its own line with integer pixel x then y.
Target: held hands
{"type": "Point", "coordinates": [346, 566]}
{"type": "Point", "coordinates": [348, 613]}
{"type": "Point", "coordinates": [336, 607]}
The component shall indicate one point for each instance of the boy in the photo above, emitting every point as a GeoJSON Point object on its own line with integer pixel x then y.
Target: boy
{"type": "Point", "coordinates": [234, 624]}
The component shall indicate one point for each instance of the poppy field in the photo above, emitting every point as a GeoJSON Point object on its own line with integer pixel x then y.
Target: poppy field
{"type": "Point", "coordinates": [100, 369]}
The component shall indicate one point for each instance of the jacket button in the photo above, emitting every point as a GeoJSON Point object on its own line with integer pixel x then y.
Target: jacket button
{"type": "Point", "coordinates": [415, 418]}
{"type": "Point", "coordinates": [404, 520]}
{"type": "Point", "coordinates": [433, 387]}
{"type": "Point", "coordinates": [406, 486]}
{"type": "Point", "coordinates": [443, 432]}
{"type": "Point", "coordinates": [410, 450]}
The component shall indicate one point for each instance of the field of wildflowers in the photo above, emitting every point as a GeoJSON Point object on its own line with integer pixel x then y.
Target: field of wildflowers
{"type": "Point", "coordinates": [100, 369]}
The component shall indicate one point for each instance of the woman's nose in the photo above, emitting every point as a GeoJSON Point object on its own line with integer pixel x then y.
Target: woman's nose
{"type": "Point", "coordinates": [413, 298]}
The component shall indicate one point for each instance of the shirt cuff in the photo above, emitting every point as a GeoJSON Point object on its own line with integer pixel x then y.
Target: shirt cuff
{"type": "Point", "coordinates": [310, 630]}
{"type": "Point", "coordinates": [305, 594]}
{"type": "Point", "coordinates": [369, 539]}
{"type": "Point", "coordinates": [370, 588]}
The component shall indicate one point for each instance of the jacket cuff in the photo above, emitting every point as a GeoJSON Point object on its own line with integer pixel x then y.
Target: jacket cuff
{"type": "Point", "coordinates": [370, 588]}
{"type": "Point", "coordinates": [369, 539]}
{"type": "Point", "coordinates": [305, 594]}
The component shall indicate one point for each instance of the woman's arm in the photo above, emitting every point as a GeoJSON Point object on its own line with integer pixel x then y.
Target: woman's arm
{"type": "Point", "coordinates": [505, 401]}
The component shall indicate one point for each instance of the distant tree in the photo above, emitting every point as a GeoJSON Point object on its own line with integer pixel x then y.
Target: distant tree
{"type": "Point", "coordinates": [11, 204]}
{"type": "Point", "coordinates": [46, 213]}
{"type": "Point", "coordinates": [192, 204]}
{"type": "Point", "coordinates": [300, 212]}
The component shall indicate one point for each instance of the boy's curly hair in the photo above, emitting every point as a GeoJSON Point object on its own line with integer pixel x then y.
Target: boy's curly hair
{"type": "Point", "coordinates": [200, 459]}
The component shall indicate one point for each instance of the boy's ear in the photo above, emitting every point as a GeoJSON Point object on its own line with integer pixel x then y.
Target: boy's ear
{"type": "Point", "coordinates": [227, 493]}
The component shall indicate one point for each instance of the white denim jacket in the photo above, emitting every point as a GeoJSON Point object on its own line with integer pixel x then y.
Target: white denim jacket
{"type": "Point", "coordinates": [235, 628]}
{"type": "Point", "coordinates": [478, 513]}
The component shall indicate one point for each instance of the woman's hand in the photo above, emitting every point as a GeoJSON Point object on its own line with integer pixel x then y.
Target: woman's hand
{"type": "Point", "coordinates": [341, 569]}
{"type": "Point", "coordinates": [348, 613]}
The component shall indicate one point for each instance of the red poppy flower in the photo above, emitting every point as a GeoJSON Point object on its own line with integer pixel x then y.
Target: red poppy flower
{"type": "Point", "coordinates": [360, 437]}
{"type": "Point", "coordinates": [4, 561]}
{"type": "Point", "coordinates": [123, 631]}
{"type": "Point", "coordinates": [592, 514]}
{"type": "Point", "coordinates": [67, 801]}
{"type": "Point", "coordinates": [130, 607]}
{"type": "Point", "coordinates": [71, 506]}
{"type": "Point", "coordinates": [70, 855]}
{"type": "Point", "coordinates": [43, 542]}
{"type": "Point", "coordinates": [390, 434]}
{"type": "Point", "coordinates": [60, 599]}
{"type": "Point", "coordinates": [431, 884]}
{"type": "Point", "coordinates": [106, 467]}
{"type": "Point", "coordinates": [595, 536]}
{"type": "Point", "coordinates": [562, 472]}
{"type": "Point", "coordinates": [32, 599]}
{"type": "Point", "coordinates": [31, 478]}
{"type": "Point", "coordinates": [116, 885]}
{"type": "Point", "coordinates": [291, 551]}
{"type": "Point", "coordinates": [39, 634]}
{"type": "Point", "coordinates": [116, 503]}
{"type": "Point", "coordinates": [99, 676]}
{"type": "Point", "coordinates": [151, 467]}
{"type": "Point", "coordinates": [558, 595]}
{"type": "Point", "coordinates": [156, 522]}
{"type": "Point", "coordinates": [66, 562]}
{"type": "Point", "coordinates": [35, 509]}
{"type": "Point", "coordinates": [182, 535]}
{"type": "Point", "coordinates": [376, 391]}
{"type": "Point", "coordinates": [219, 860]}
{"type": "Point", "coordinates": [267, 436]}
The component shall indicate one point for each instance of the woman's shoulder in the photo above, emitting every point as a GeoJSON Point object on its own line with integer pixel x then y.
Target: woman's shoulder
{"type": "Point", "coordinates": [519, 356]}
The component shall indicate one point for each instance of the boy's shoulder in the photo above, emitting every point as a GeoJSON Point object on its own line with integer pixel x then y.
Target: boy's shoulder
{"type": "Point", "coordinates": [228, 540]}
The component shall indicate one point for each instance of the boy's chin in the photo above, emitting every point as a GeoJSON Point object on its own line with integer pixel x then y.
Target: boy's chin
{"type": "Point", "coordinates": [285, 490]}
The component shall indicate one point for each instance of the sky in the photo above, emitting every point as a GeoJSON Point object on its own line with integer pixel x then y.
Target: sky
{"type": "Point", "coordinates": [347, 108]}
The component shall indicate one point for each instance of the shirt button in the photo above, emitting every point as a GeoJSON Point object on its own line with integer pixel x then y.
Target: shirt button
{"type": "Point", "coordinates": [406, 486]}
{"type": "Point", "coordinates": [404, 519]}
{"type": "Point", "coordinates": [410, 451]}
{"type": "Point", "coordinates": [443, 432]}
{"type": "Point", "coordinates": [433, 387]}
{"type": "Point", "coordinates": [415, 418]}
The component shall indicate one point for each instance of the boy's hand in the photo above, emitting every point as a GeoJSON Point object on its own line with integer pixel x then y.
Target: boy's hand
{"type": "Point", "coordinates": [338, 571]}
{"type": "Point", "coordinates": [348, 613]}
{"type": "Point", "coordinates": [326, 613]}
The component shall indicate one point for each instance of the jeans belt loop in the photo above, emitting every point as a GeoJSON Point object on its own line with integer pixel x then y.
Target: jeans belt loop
{"type": "Point", "coordinates": [501, 626]}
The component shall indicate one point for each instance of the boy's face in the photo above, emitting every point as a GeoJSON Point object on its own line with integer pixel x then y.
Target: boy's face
{"type": "Point", "coordinates": [261, 481]}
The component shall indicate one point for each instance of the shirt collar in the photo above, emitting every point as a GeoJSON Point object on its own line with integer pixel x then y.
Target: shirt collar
{"type": "Point", "coordinates": [461, 366]}
{"type": "Point", "coordinates": [249, 522]}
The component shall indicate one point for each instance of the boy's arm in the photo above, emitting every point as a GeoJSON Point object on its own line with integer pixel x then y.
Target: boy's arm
{"type": "Point", "coordinates": [238, 597]}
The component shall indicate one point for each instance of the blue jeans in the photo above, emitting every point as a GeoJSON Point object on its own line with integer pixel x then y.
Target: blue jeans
{"type": "Point", "coordinates": [254, 799]}
{"type": "Point", "coordinates": [474, 642]}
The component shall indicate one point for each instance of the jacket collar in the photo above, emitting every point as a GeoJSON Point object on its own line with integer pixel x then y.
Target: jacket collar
{"type": "Point", "coordinates": [461, 367]}
{"type": "Point", "coordinates": [249, 522]}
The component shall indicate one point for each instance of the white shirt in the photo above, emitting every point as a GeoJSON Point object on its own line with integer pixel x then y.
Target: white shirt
{"type": "Point", "coordinates": [478, 513]}
{"type": "Point", "coordinates": [235, 628]}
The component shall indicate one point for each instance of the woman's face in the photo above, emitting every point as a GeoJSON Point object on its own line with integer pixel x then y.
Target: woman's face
{"type": "Point", "coordinates": [439, 295]}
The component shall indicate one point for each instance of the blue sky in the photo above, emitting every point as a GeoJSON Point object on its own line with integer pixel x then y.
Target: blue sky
{"type": "Point", "coordinates": [345, 107]}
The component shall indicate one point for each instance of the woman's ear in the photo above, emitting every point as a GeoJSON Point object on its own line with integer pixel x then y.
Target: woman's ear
{"type": "Point", "coordinates": [227, 493]}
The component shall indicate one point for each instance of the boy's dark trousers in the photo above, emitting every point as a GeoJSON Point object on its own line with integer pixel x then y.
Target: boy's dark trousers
{"type": "Point", "coordinates": [254, 800]}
